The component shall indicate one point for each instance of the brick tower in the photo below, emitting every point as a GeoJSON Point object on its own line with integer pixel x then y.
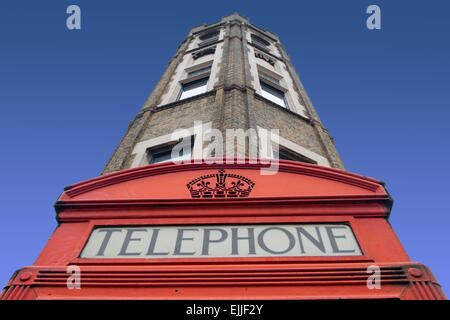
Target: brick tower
{"type": "Point", "coordinates": [227, 75]}
{"type": "Point", "coordinates": [184, 208]}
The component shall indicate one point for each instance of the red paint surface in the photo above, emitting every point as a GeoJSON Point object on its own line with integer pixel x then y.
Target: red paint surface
{"type": "Point", "coordinates": [157, 195]}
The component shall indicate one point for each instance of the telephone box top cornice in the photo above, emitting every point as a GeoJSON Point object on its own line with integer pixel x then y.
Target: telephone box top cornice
{"type": "Point", "coordinates": [169, 181]}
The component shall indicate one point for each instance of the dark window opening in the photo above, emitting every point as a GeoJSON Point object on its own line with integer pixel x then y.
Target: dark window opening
{"type": "Point", "coordinates": [207, 42]}
{"type": "Point", "coordinates": [260, 40]}
{"type": "Point", "coordinates": [209, 35]}
{"type": "Point", "coordinates": [268, 77]}
{"type": "Point", "coordinates": [208, 38]}
{"type": "Point", "coordinates": [285, 154]}
{"type": "Point", "coordinates": [199, 71]}
{"type": "Point", "coordinates": [164, 153]}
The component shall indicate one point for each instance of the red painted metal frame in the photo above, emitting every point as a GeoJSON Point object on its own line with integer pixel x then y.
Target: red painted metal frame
{"type": "Point", "coordinates": [157, 195]}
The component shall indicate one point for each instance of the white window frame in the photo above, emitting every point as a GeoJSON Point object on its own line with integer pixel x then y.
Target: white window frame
{"type": "Point", "coordinates": [282, 102]}
{"type": "Point", "coordinates": [189, 79]}
{"type": "Point", "coordinates": [141, 148]}
{"type": "Point", "coordinates": [264, 76]}
{"type": "Point", "coordinates": [185, 94]}
{"type": "Point", "coordinates": [169, 148]}
{"type": "Point", "coordinates": [292, 147]}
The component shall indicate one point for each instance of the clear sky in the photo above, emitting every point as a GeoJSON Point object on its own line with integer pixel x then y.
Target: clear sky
{"type": "Point", "coordinates": [66, 98]}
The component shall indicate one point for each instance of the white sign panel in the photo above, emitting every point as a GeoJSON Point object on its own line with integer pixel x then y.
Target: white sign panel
{"type": "Point", "coordinates": [220, 241]}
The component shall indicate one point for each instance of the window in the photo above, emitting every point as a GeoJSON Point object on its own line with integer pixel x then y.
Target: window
{"type": "Point", "coordinates": [209, 35]}
{"type": "Point", "coordinates": [269, 78]}
{"type": "Point", "coordinates": [260, 43]}
{"type": "Point", "coordinates": [259, 40]}
{"type": "Point", "coordinates": [164, 153]}
{"type": "Point", "coordinates": [273, 94]}
{"type": "Point", "coordinates": [285, 154]}
{"type": "Point", "coordinates": [161, 155]}
{"type": "Point", "coordinates": [193, 88]}
{"type": "Point", "coordinates": [199, 71]}
{"type": "Point", "coordinates": [209, 38]}
{"type": "Point", "coordinates": [207, 42]}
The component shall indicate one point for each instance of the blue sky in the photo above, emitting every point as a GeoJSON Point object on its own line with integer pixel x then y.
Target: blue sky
{"type": "Point", "coordinates": [66, 98]}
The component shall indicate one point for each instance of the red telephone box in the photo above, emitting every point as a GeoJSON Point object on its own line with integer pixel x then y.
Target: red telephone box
{"type": "Point", "coordinates": [224, 231]}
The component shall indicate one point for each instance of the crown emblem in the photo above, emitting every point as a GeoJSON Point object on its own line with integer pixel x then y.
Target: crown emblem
{"type": "Point", "coordinates": [220, 185]}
